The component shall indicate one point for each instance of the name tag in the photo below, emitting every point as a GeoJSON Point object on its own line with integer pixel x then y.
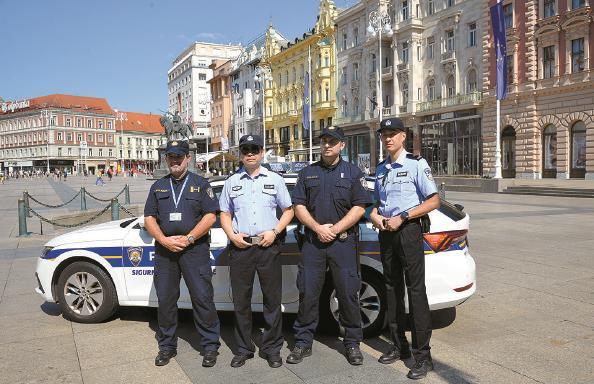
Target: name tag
{"type": "Point", "coordinates": [175, 216]}
{"type": "Point", "coordinates": [236, 188]}
{"type": "Point", "coordinates": [268, 186]}
{"type": "Point", "coordinates": [401, 174]}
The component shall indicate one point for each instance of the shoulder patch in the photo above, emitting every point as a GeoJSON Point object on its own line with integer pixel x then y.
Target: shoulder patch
{"type": "Point", "coordinates": [363, 182]}
{"type": "Point", "coordinates": [413, 157]}
{"type": "Point", "coordinates": [428, 173]}
{"type": "Point", "coordinates": [210, 193]}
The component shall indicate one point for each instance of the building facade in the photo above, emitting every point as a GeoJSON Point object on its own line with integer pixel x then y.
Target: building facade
{"type": "Point", "coordinates": [220, 89]}
{"type": "Point", "coordinates": [285, 134]}
{"type": "Point", "coordinates": [189, 92]}
{"type": "Point", "coordinates": [428, 75]}
{"type": "Point", "coordinates": [57, 132]}
{"type": "Point", "coordinates": [141, 136]}
{"type": "Point", "coordinates": [547, 119]}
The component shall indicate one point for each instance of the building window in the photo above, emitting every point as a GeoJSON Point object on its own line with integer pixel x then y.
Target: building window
{"type": "Point", "coordinates": [344, 41]}
{"type": "Point", "coordinates": [68, 122]}
{"type": "Point", "coordinates": [404, 56]}
{"type": "Point", "coordinates": [577, 55]}
{"type": "Point", "coordinates": [295, 132]}
{"type": "Point", "coordinates": [430, 48]}
{"type": "Point", "coordinates": [355, 71]}
{"type": "Point", "coordinates": [100, 125]}
{"type": "Point", "coordinates": [202, 76]}
{"type": "Point", "coordinates": [356, 37]}
{"type": "Point", "coordinates": [418, 53]}
{"type": "Point", "coordinates": [575, 4]}
{"type": "Point", "coordinates": [472, 35]}
{"type": "Point", "coordinates": [90, 137]}
{"type": "Point", "coordinates": [109, 125]}
{"type": "Point", "coordinates": [373, 63]}
{"type": "Point", "coordinates": [510, 70]}
{"type": "Point", "coordinates": [404, 10]}
{"type": "Point", "coordinates": [79, 122]}
{"type": "Point", "coordinates": [472, 81]}
{"type": "Point", "coordinates": [508, 15]}
{"type": "Point", "coordinates": [549, 8]}
{"type": "Point", "coordinates": [69, 151]}
{"type": "Point", "coordinates": [90, 152]}
{"type": "Point", "coordinates": [450, 3]}
{"type": "Point", "coordinates": [89, 123]}
{"type": "Point", "coordinates": [69, 137]}
{"type": "Point", "coordinates": [430, 7]}
{"type": "Point", "coordinates": [548, 61]}
{"type": "Point", "coordinates": [100, 152]}
{"type": "Point", "coordinates": [59, 151]}
{"type": "Point", "coordinates": [404, 94]}
{"type": "Point", "coordinates": [344, 75]}
{"type": "Point", "coordinates": [79, 136]}
{"type": "Point", "coordinates": [450, 42]}
{"type": "Point", "coordinates": [431, 90]}
{"type": "Point", "coordinates": [451, 86]}
{"type": "Point", "coordinates": [110, 138]}
{"type": "Point", "coordinates": [110, 153]}
{"type": "Point", "coordinates": [60, 136]}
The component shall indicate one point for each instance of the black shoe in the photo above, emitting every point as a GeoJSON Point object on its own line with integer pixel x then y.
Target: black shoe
{"type": "Point", "coordinates": [274, 361]}
{"type": "Point", "coordinates": [394, 354]}
{"type": "Point", "coordinates": [420, 369]}
{"type": "Point", "coordinates": [163, 357]}
{"type": "Point", "coordinates": [354, 355]}
{"type": "Point", "coordinates": [239, 360]}
{"type": "Point", "coordinates": [298, 354]}
{"type": "Point", "coordinates": [209, 359]}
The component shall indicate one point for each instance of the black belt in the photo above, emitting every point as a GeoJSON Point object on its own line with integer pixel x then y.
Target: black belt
{"type": "Point", "coordinates": [341, 236]}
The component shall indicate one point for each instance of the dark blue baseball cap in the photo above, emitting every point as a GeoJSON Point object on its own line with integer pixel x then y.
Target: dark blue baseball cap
{"type": "Point", "coordinates": [333, 131]}
{"type": "Point", "coordinates": [177, 147]}
{"type": "Point", "coordinates": [392, 123]}
{"type": "Point", "coordinates": [251, 140]}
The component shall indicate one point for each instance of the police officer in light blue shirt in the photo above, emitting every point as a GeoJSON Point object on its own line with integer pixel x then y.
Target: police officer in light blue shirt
{"type": "Point", "coordinates": [249, 203]}
{"type": "Point", "coordinates": [405, 194]}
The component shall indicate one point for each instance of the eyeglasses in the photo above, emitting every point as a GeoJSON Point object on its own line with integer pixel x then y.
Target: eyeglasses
{"type": "Point", "coordinates": [253, 149]}
{"type": "Point", "coordinates": [329, 141]}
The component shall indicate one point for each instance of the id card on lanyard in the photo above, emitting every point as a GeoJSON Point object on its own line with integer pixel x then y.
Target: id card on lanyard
{"type": "Point", "coordinates": [176, 216]}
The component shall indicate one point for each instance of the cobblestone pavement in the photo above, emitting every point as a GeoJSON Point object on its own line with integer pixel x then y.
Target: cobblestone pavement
{"type": "Point", "coordinates": [531, 320]}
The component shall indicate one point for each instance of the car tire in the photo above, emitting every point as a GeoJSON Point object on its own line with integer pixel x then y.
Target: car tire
{"type": "Point", "coordinates": [372, 298]}
{"type": "Point", "coordinates": [86, 293]}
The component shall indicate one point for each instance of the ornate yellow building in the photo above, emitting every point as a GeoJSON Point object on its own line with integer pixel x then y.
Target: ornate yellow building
{"type": "Point", "coordinates": [284, 93]}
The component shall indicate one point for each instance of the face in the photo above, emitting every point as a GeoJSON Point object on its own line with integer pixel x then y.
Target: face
{"type": "Point", "coordinates": [251, 155]}
{"type": "Point", "coordinates": [393, 140]}
{"type": "Point", "coordinates": [331, 146]}
{"type": "Point", "coordinates": [177, 164]}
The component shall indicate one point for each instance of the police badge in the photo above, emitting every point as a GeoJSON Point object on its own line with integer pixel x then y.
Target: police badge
{"type": "Point", "coordinates": [363, 182]}
{"type": "Point", "coordinates": [210, 193]}
{"type": "Point", "coordinates": [135, 255]}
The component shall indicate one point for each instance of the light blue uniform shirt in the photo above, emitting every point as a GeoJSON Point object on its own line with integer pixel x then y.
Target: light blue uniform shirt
{"type": "Point", "coordinates": [253, 201]}
{"type": "Point", "coordinates": [402, 184]}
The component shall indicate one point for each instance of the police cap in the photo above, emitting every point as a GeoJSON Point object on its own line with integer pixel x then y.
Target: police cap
{"type": "Point", "coordinates": [178, 147]}
{"type": "Point", "coordinates": [392, 123]}
{"type": "Point", "coordinates": [333, 131]}
{"type": "Point", "coordinates": [251, 140]}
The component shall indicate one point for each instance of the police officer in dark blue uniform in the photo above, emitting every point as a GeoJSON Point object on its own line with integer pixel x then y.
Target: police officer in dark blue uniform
{"type": "Point", "coordinates": [405, 194]}
{"type": "Point", "coordinates": [329, 198]}
{"type": "Point", "coordinates": [179, 211]}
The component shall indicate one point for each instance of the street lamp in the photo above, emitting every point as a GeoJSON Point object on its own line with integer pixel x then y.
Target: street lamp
{"type": "Point", "coordinates": [48, 115]}
{"type": "Point", "coordinates": [122, 117]}
{"type": "Point", "coordinates": [379, 21]}
{"type": "Point", "coordinates": [263, 74]}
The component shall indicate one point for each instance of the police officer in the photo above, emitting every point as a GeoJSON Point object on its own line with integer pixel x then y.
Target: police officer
{"type": "Point", "coordinates": [249, 203]}
{"type": "Point", "coordinates": [330, 197]}
{"type": "Point", "coordinates": [179, 211]}
{"type": "Point", "coordinates": [405, 194]}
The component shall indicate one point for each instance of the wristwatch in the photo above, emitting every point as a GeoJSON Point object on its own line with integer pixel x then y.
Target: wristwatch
{"type": "Point", "coordinates": [275, 232]}
{"type": "Point", "coordinates": [404, 216]}
{"type": "Point", "coordinates": [191, 239]}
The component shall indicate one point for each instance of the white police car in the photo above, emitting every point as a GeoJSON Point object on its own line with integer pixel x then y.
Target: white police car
{"type": "Point", "coordinates": [93, 270]}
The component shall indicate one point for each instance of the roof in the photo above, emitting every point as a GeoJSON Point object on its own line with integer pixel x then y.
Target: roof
{"type": "Point", "coordinates": [71, 102]}
{"type": "Point", "coordinates": [142, 122]}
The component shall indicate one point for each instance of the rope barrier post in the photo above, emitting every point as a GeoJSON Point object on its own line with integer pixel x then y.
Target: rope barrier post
{"type": "Point", "coordinates": [23, 219]}
{"type": "Point", "coordinates": [83, 199]}
{"type": "Point", "coordinates": [127, 195]}
{"type": "Point", "coordinates": [115, 209]}
{"type": "Point", "coordinates": [26, 199]}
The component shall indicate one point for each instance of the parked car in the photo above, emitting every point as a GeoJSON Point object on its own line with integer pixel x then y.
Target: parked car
{"type": "Point", "coordinates": [92, 271]}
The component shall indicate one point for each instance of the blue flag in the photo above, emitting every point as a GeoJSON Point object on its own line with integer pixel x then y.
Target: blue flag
{"type": "Point", "coordinates": [498, 23]}
{"type": "Point", "coordinates": [306, 100]}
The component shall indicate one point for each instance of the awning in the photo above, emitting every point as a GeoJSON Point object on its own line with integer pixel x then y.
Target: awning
{"type": "Point", "coordinates": [204, 157]}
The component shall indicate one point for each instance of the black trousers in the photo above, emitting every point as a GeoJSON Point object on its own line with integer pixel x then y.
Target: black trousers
{"type": "Point", "coordinates": [403, 259]}
{"type": "Point", "coordinates": [243, 265]}
{"type": "Point", "coordinates": [197, 274]}
{"type": "Point", "coordinates": [341, 258]}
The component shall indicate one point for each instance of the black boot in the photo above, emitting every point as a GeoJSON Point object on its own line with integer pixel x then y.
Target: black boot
{"type": "Point", "coordinates": [420, 369]}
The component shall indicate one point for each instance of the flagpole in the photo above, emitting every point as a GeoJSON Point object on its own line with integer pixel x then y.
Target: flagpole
{"type": "Point", "coordinates": [498, 142]}
{"type": "Point", "coordinates": [310, 104]}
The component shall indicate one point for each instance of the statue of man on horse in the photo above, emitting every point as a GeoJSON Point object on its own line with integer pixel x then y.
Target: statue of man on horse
{"type": "Point", "coordinates": [174, 128]}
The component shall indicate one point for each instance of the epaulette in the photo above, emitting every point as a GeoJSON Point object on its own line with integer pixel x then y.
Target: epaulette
{"type": "Point", "coordinates": [383, 162]}
{"type": "Point", "coordinates": [413, 157]}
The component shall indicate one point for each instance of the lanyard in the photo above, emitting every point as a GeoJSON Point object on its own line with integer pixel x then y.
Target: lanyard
{"type": "Point", "coordinates": [176, 200]}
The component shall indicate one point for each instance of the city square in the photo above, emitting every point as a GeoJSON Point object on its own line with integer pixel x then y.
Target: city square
{"type": "Point", "coordinates": [530, 321]}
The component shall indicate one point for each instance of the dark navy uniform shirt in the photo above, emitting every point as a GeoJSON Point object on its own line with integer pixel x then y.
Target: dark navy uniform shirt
{"type": "Point", "coordinates": [197, 199]}
{"type": "Point", "coordinates": [330, 192]}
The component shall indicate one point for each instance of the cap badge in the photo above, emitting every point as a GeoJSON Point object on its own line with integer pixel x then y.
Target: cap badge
{"type": "Point", "coordinates": [331, 128]}
{"type": "Point", "coordinates": [174, 144]}
{"type": "Point", "coordinates": [389, 122]}
{"type": "Point", "coordinates": [250, 138]}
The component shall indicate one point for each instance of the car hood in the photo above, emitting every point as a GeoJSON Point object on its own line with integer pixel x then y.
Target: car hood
{"type": "Point", "coordinates": [106, 231]}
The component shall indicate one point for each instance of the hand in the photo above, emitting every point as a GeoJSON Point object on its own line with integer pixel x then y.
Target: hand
{"type": "Point", "coordinates": [378, 222]}
{"type": "Point", "coordinates": [325, 233]}
{"type": "Point", "coordinates": [394, 223]}
{"type": "Point", "coordinates": [237, 240]}
{"type": "Point", "coordinates": [268, 238]}
{"type": "Point", "coordinates": [174, 243]}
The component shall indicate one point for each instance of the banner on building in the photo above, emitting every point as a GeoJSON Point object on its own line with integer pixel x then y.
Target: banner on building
{"type": "Point", "coordinates": [498, 23]}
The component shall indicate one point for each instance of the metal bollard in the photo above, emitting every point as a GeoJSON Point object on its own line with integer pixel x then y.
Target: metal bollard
{"type": "Point", "coordinates": [115, 209]}
{"type": "Point", "coordinates": [83, 199]}
{"type": "Point", "coordinates": [442, 191]}
{"type": "Point", "coordinates": [26, 198]}
{"type": "Point", "coordinates": [127, 195]}
{"type": "Point", "coordinates": [23, 219]}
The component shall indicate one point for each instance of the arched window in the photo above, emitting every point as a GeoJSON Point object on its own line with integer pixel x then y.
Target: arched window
{"type": "Point", "coordinates": [356, 106]}
{"type": "Point", "coordinates": [431, 90]}
{"type": "Point", "coordinates": [472, 81]}
{"type": "Point", "coordinates": [451, 86]}
{"type": "Point", "coordinates": [549, 151]}
{"type": "Point", "coordinates": [345, 106]}
{"type": "Point", "coordinates": [578, 150]}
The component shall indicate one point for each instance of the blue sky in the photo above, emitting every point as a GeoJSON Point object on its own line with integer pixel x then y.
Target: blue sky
{"type": "Point", "coordinates": [121, 50]}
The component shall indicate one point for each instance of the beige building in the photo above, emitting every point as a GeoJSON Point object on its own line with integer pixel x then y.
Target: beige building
{"type": "Point", "coordinates": [547, 128]}
{"type": "Point", "coordinates": [220, 89]}
{"type": "Point", "coordinates": [141, 135]}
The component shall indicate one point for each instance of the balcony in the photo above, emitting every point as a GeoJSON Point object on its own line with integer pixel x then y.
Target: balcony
{"type": "Point", "coordinates": [403, 109]}
{"type": "Point", "coordinates": [389, 111]}
{"type": "Point", "coordinates": [403, 67]}
{"type": "Point", "coordinates": [350, 119]}
{"type": "Point", "coordinates": [473, 98]}
{"type": "Point", "coordinates": [448, 56]}
{"type": "Point", "coordinates": [293, 113]}
{"type": "Point", "coordinates": [387, 72]}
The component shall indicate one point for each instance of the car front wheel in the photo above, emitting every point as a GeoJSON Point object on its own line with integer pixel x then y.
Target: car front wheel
{"type": "Point", "coordinates": [86, 293]}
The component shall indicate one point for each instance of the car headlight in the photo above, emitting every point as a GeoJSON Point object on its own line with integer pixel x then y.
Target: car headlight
{"type": "Point", "coordinates": [45, 251]}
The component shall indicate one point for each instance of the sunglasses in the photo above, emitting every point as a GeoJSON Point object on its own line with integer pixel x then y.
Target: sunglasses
{"type": "Point", "coordinates": [253, 149]}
